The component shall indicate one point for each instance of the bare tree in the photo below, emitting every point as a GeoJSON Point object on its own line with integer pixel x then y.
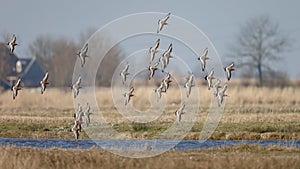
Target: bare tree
{"type": "Point", "coordinates": [86, 34]}
{"type": "Point", "coordinates": [108, 65]}
{"type": "Point", "coordinates": [42, 49]}
{"type": "Point", "coordinates": [58, 56]}
{"type": "Point", "coordinates": [7, 59]}
{"type": "Point", "coordinates": [111, 59]}
{"type": "Point", "coordinates": [63, 61]}
{"type": "Point", "coordinates": [6, 36]}
{"type": "Point", "coordinates": [259, 42]}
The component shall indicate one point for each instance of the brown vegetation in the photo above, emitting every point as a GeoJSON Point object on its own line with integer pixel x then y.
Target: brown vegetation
{"type": "Point", "coordinates": [57, 55]}
{"type": "Point", "coordinates": [250, 113]}
{"type": "Point", "coordinates": [242, 156]}
{"type": "Point", "coordinates": [275, 98]}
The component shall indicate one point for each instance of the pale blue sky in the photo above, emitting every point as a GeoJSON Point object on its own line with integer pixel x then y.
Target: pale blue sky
{"type": "Point", "coordinates": [219, 20]}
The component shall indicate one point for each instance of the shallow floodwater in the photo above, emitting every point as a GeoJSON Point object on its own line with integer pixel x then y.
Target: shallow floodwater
{"type": "Point", "coordinates": [142, 144]}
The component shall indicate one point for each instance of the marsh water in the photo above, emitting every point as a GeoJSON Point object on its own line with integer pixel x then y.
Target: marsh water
{"type": "Point", "coordinates": [128, 144]}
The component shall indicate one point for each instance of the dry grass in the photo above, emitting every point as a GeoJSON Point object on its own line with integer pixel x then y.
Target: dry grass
{"type": "Point", "coordinates": [264, 125]}
{"type": "Point", "coordinates": [31, 98]}
{"type": "Point", "coordinates": [250, 113]}
{"type": "Point", "coordinates": [273, 110]}
{"type": "Point", "coordinates": [238, 96]}
{"type": "Point", "coordinates": [243, 156]}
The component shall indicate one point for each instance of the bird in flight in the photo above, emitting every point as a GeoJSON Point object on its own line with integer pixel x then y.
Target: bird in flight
{"type": "Point", "coordinates": [124, 73]}
{"type": "Point", "coordinates": [209, 78]}
{"type": "Point", "coordinates": [15, 88]}
{"type": "Point", "coordinates": [216, 87]}
{"type": "Point", "coordinates": [78, 114]}
{"type": "Point", "coordinates": [228, 69]}
{"type": "Point", "coordinates": [82, 54]}
{"type": "Point", "coordinates": [12, 44]}
{"type": "Point", "coordinates": [167, 53]}
{"type": "Point", "coordinates": [128, 95]}
{"type": "Point", "coordinates": [188, 76]}
{"type": "Point", "coordinates": [189, 83]}
{"type": "Point", "coordinates": [203, 59]}
{"type": "Point", "coordinates": [163, 62]}
{"type": "Point", "coordinates": [44, 82]}
{"type": "Point", "coordinates": [76, 129]}
{"type": "Point", "coordinates": [222, 94]}
{"type": "Point", "coordinates": [153, 50]}
{"type": "Point", "coordinates": [152, 69]}
{"type": "Point", "coordinates": [179, 112]}
{"type": "Point", "coordinates": [166, 81]}
{"type": "Point", "coordinates": [76, 86]}
{"type": "Point", "coordinates": [162, 22]}
{"type": "Point", "coordinates": [87, 114]}
{"type": "Point", "coordinates": [158, 91]}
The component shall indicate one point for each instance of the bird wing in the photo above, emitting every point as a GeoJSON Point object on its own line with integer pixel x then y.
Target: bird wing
{"type": "Point", "coordinates": [156, 44]}
{"type": "Point", "coordinates": [220, 99]}
{"type": "Point", "coordinates": [191, 79]}
{"type": "Point", "coordinates": [124, 71]}
{"type": "Point", "coordinates": [224, 89]}
{"type": "Point", "coordinates": [152, 53]}
{"type": "Point", "coordinates": [156, 64]}
{"type": "Point", "coordinates": [209, 83]}
{"type": "Point", "coordinates": [158, 92]}
{"type": "Point", "coordinates": [188, 89]}
{"type": "Point", "coordinates": [14, 39]}
{"type": "Point", "coordinates": [166, 18]}
{"type": "Point", "coordinates": [170, 48]}
{"type": "Point", "coordinates": [179, 117]}
{"type": "Point", "coordinates": [126, 68]}
{"type": "Point", "coordinates": [168, 76]}
{"type": "Point", "coordinates": [18, 84]}
{"type": "Point", "coordinates": [131, 90]}
{"type": "Point", "coordinates": [182, 107]}
{"type": "Point", "coordinates": [205, 52]}
{"type": "Point", "coordinates": [166, 84]}
{"type": "Point", "coordinates": [231, 66]}
{"type": "Point", "coordinates": [127, 99]}
{"type": "Point", "coordinates": [78, 81]}
{"type": "Point", "coordinates": [163, 62]}
{"type": "Point", "coordinates": [46, 77]}
{"type": "Point", "coordinates": [217, 84]}
{"type": "Point", "coordinates": [76, 91]}
{"type": "Point", "coordinates": [211, 73]}
{"type": "Point", "coordinates": [161, 86]}
{"type": "Point", "coordinates": [203, 62]}
{"type": "Point", "coordinates": [82, 59]}
{"type": "Point", "coordinates": [160, 25]}
{"type": "Point", "coordinates": [123, 77]}
{"type": "Point", "coordinates": [216, 90]}
{"type": "Point", "coordinates": [151, 72]}
{"type": "Point", "coordinates": [228, 74]}
{"type": "Point", "coordinates": [15, 92]}
{"type": "Point", "coordinates": [85, 49]}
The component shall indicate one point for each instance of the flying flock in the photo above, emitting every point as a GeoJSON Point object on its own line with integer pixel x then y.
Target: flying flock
{"type": "Point", "coordinates": [164, 60]}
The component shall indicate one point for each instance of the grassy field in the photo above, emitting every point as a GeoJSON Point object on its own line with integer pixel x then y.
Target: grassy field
{"type": "Point", "coordinates": [242, 156]}
{"type": "Point", "coordinates": [270, 113]}
{"type": "Point", "coordinates": [250, 113]}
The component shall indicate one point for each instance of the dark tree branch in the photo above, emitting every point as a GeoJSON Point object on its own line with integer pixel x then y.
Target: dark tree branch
{"type": "Point", "coordinates": [258, 42]}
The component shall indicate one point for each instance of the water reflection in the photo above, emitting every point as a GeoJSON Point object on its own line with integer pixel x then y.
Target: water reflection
{"type": "Point", "coordinates": [138, 144]}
